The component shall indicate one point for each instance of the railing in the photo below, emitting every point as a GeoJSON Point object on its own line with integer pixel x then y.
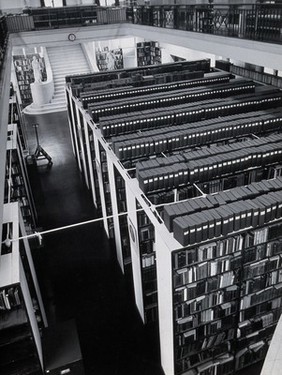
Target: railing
{"type": "Point", "coordinates": [262, 22]}
{"type": "Point", "coordinates": [68, 16]}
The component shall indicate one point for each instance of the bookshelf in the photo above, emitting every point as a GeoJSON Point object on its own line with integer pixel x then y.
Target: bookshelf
{"type": "Point", "coordinates": [106, 189]}
{"type": "Point", "coordinates": [189, 80]}
{"type": "Point", "coordinates": [168, 99]}
{"type": "Point", "coordinates": [146, 236]}
{"type": "Point", "coordinates": [226, 296]}
{"type": "Point", "coordinates": [263, 24]}
{"type": "Point", "coordinates": [17, 187]}
{"type": "Point", "coordinates": [15, 117]}
{"type": "Point", "coordinates": [109, 59]}
{"type": "Point", "coordinates": [22, 313]}
{"type": "Point", "coordinates": [141, 76]}
{"type": "Point", "coordinates": [229, 166]}
{"type": "Point", "coordinates": [148, 53]}
{"type": "Point", "coordinates": [201, 185]}
{"type": "Point", "coordinates": [62, 17]}
{"type": "Point", "coordinates": [121, 204]}
{"type": "Point", "coordinates": [24, 74]}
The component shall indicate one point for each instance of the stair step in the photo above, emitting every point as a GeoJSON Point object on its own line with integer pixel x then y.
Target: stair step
{"type": "Point", "coordinates": [60, 93]}
{"type": "Point", "coordinates": [59, 97]}
{"type": "Point", "coordinates": [69, 63]}
{"type": "Point", "coordinates": [62, 70]}
{"type": "Point", "coordinates": [64, 61]}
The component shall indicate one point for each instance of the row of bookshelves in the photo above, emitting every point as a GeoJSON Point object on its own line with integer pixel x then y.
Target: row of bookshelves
{"type": "Point", "coordinates": [133, 146]}
{"type": "Point", "coordinates": [217, 277]}
{"type": "Point", "coordinates": [169, 99]}
{"type": "Point", "coordinates": [222, 197]}
{"type": "Point", "coordinates": [9, 298]}
{"type": "Point", "coordinates": [199, 166]}
{"type": "Point", "coordinates": [25, 75]}
{"type": "Point", "coordinates": [84, 81]}
{"type": "Point", "coordinates": [226, 219]}
{"type": "Point", "coordinates": [17, 187]}
{"type": "Point", "coordinates": [22, 314]}
{"type": "Point", "coordinates": [89, 97]}
{"type": "Point", "coordinates": [15, 117]}
{"type": "Point", "coordinates": [188, 113]}
{"type": "Point", "coordinates": [146, 237]}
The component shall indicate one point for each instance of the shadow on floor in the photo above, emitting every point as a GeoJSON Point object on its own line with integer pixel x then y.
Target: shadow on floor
{"type": "Point", "coordinates": [77, 267]}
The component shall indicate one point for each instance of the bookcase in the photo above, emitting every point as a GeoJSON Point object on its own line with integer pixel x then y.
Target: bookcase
{"type": "Point", "coordinates": [146, 236]}
{"type": "Point", "coordinates": [22, 314]}
{"type": "Point", "coordinates": [109, 59]}
{"type": "Point", "coordinates": [199, 182]}
{"type": "Point", "coordinates": [106, 189]}
{"type": "Point", "coordinates": [190, 112]}
{"type": "Point", "coordinates": [15, 117]}
{"type": "Point", "coordinates": [24, 74]}
{"type": "Point", "coordinates": [229, 166]}
{"type": "Point", "coordinates": [17, 186]}
{"type": "Point", "coordinates": [263, 23]}
{"type": "Point", "coordinates": [148, 53]}
{"type": "Point", "coordinates": [168, 99]}
{"type": "Point", "coordinates": [226, 289]}
{"type": "Point", "coordinates": [62, 16]}
{"type": "Point", "coordinates": [140, 76]}
{"type": "Point", "coordinates": [122, 208]}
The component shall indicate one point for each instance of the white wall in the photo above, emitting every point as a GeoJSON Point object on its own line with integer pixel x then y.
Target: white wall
{"type": "Point", "coordinates": [16, 6]}
{"type": "Point", "coordinates": [128, 46]}
{"type": "Point", "coordinates": [33, 3]}
{"type": "Point", "coordinates": [267, 54]}
{"type": "Point", "coordinates": [166, 56]}
{"type": "Point", "coordinates": [73, 2]}
{"type": "Point", "coordinates": [56, 3]}
{"type": "Point", "coordinates": [12, 6]}
{"type": "Point", "coordinates": [186, 53]}
{"type": "Point", "coordinates": [80, 2]}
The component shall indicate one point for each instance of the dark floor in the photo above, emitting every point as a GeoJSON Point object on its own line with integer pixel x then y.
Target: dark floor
{"type": "Point", "coordinates": [77, 268]}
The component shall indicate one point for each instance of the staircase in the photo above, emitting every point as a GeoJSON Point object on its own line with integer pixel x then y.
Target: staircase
{"type": "Point", "coordinates": [64, 60]}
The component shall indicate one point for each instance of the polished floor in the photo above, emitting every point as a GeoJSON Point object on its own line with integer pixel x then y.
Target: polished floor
{"type": "Point", "coordinates": [77, 267]}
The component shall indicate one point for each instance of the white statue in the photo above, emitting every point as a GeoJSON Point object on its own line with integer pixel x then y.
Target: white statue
{"type": "Point", "coordinates": [36, 70]}
{"type": "Point", "coordinates": [111, 60]}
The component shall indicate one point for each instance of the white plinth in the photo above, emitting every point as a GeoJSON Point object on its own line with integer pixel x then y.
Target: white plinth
{"type": "Point", "coordinates": [42, 92]}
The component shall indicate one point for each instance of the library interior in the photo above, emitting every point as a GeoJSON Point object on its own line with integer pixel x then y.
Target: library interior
{"type": "Point", "coordinates": [141, 187]}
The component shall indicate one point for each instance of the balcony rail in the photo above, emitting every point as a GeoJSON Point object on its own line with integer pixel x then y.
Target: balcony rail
{"type": "Point", "coordinates": [260, 22]}
{"type": "Point", "coordinates": [67, 16]}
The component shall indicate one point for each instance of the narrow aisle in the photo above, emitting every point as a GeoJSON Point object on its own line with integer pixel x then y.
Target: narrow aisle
{"type": "Point", "coordinates": [77, 268]}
